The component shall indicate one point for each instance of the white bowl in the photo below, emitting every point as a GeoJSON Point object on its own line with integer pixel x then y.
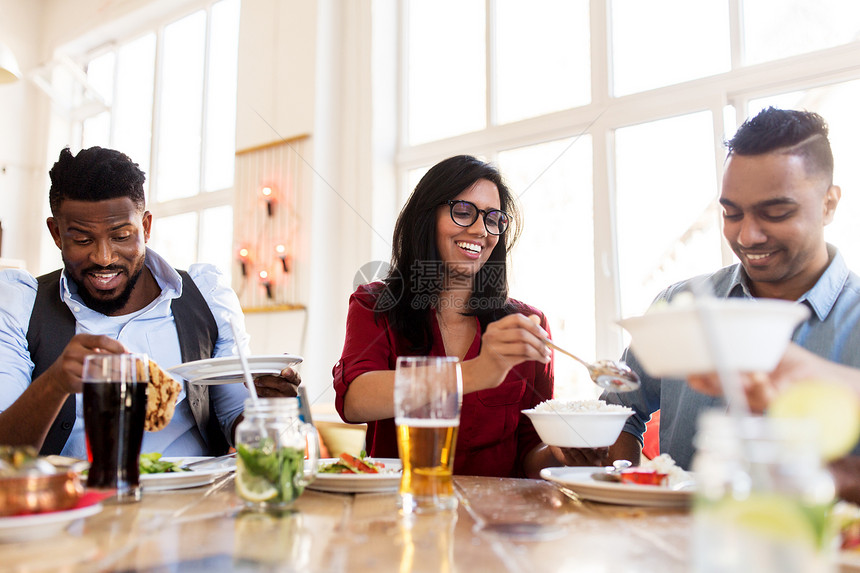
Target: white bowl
{"type": "Point", "coordinates": [578, 429]}
{"type": "Point", "coordinates": [748, 335]}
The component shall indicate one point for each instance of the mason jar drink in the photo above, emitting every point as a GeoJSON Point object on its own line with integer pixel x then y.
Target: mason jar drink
{"type": "Point", "coordinates": [270, 464]}
{"type": "Point", "coordinates": [763, 497]}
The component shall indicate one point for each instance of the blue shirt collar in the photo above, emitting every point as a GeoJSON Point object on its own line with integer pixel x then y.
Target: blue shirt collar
{"type": "Point", "coordinates": [165, 275]}
{"type": "Point", "coordinates": [820, 298]}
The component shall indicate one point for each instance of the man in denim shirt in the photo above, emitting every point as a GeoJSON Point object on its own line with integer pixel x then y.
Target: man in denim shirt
{"type": "Point", "coordinates": [114, 295]}
{"type": "Point", "coordinates": [777, 196]}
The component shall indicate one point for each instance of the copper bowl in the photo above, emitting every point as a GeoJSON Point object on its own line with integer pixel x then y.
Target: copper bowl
{"type": "Point", "coordinates": [39, 493]}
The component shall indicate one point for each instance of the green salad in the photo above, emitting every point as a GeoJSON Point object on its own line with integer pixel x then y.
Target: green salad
{"type": "Point", "coordinates": [269, 474]}
{"type": "Point", "coordinates": [153, 464]}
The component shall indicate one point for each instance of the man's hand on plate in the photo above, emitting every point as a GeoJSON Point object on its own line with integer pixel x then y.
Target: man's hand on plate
{"type": "Point", "coordinates": [759, 388]}
{"type": "Point", "coordinates": [581, 456]}
{"type": "Point", "coordinates": [283, 386]}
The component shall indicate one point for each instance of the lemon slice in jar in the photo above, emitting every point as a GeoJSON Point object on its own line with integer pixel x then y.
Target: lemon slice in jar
{"type": "Point", "coordinates": [833, 406]}
{"type": "Point", "coordinates": [254, 488]}
{"type": "Point", "coordinates": [771, 516]}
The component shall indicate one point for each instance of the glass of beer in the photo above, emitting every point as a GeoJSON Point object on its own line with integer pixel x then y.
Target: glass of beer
{"type": "Point", "coordinates": [428, 392]}
{"type": "Point", "coordinates": [115, 388]}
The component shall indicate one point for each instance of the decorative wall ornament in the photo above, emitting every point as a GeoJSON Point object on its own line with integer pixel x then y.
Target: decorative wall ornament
{"type": "Point", "coordinates": [266, 224]}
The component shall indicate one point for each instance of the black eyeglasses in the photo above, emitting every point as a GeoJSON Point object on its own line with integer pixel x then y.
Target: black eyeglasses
{"type": "Point", "coordinates": [465, 213]}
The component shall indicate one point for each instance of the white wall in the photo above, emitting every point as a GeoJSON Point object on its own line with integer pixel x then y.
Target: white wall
{"type": "Point", "coordinates": [342, 194]}
{"type": "Point", "coordinates": [277, 56]}
{"type": "Point", "coordinates": [23, 190]}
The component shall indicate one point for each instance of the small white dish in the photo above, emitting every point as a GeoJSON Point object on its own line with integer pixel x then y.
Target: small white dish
{"type": "Point", "coordinates": [578, 479]}
{"type": "Point", "coordinates": [228, 369]}
{"type": "Point", "coordinates": [389, 480]}
{"type": "Point", "coordinates": [578, 429]}
{"type": "Point", "coordinates": [196, 477]}
{"type": "Point", "coordinates": [41, 525]}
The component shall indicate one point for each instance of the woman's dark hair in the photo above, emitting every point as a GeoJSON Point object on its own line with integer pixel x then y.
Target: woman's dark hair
{"type": "Point", "coordinates": [415, 276]}
{"type": "Point", "coordinates": [95, 174]}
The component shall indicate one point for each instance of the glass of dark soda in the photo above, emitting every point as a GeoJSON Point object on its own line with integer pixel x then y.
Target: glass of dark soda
{"type": "Point", "coordinates": [115, 388]}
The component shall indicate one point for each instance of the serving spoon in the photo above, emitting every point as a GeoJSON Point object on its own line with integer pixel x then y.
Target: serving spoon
{"type": "Point", "coordinates": [613, 472]}
{"type": "Point", "coordinates": [611, 375]}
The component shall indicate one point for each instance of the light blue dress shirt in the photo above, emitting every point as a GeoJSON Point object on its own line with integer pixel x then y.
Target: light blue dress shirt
{"type": "Point", "coordinates": [150, 330]}
{"type": "Point", "coordinates": [832, 331]}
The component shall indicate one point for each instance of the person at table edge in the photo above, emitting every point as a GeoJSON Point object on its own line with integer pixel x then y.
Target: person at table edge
{"type": "Point", "coordinates": [796, 365]}
{"type": "Point", "coordinates": [114, 294]}
{"type": "Point", "coordinates": [777, 196]}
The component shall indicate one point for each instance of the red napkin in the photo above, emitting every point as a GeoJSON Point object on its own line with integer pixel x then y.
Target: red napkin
{"type": "Point", "coordinates": [91, 497]}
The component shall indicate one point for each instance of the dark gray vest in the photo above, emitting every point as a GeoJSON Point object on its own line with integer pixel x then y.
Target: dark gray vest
{"type": "Point", "coordinates": [52, 326]}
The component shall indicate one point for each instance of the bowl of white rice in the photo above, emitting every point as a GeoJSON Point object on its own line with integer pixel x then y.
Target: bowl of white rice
{"type": "Point", "coordinates": [578, 423]}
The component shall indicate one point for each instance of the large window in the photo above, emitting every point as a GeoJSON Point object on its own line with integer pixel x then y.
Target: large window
{"type": "Point", "coordinates": [666, 213]}
{"type": "Point", "coordinates": [169, 98]}
{"type": "Point", "coordinates": [608, 118]}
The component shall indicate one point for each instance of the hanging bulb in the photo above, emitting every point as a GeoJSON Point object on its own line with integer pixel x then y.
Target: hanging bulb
{"type": "Point", "coordinates": [269, 197]}
{"type": "Point", "coordinates": [281, 251]}
{"type": "Point", "coordinates": [243, 260]}
{"type": "Point", "coordinates": [264, 279]}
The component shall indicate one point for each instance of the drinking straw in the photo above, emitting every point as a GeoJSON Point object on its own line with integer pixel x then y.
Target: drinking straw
{"type": "Point", "coordinates": [736, 399]}
{"type": "Point", "coordinates": [249, 382]}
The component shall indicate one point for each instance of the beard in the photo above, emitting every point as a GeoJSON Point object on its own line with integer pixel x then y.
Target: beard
{"type": "Point", "coordinates": [107, 306]}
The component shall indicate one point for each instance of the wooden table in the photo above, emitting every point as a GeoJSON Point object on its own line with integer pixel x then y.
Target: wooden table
{"type": "Point", "coordinates": [500, 525]}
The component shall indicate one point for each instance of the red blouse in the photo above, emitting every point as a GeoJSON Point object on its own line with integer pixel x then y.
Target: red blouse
{"type": "Point", "coordinates": [494, 435]}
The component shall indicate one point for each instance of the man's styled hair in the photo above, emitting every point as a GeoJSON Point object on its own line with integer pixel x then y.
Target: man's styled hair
{"type": "Point", "coordinates": [95, 174]}
{"type": "Point", "coordinates": [801, 133]}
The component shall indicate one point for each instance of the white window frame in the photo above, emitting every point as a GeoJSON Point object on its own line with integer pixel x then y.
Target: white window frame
{"type": "Point", "coordinates": [203, 200]}
{"type": "Point", "coordinates": [605, 114]}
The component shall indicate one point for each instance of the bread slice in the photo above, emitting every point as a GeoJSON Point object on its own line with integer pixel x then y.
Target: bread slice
{"type": "Point", "coordinates": [161, 394]}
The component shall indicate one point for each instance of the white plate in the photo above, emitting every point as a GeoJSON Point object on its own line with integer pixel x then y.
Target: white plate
{"type": "Point", "coordinates": [228, 369]}
{"type": "Point", "coordinates": [580, 481]}
{"type": "Point", "coordinates": [360, 483]}
{"type": "Point", "coordinates": [41, 525]}
{"type": "Point", "coordinates": [194, 478]}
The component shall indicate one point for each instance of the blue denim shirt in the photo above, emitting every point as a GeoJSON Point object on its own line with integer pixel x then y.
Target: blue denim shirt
{"type": "Point", "coordinates": [832, 331]}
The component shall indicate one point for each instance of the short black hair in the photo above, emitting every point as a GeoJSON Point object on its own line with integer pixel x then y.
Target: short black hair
{"type": "Point", "coordinates": [95, 174]}
{"type": "Point", "coordinates": [773, 130]}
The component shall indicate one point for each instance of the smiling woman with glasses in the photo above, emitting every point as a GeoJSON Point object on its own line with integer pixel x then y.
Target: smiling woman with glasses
{"type": "Point", "coordinates": [447, 295]}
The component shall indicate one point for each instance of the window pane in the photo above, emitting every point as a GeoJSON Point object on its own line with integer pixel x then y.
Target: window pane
{"type": "Point", "coordinates": [667, 214]}
{"type": "Point", "coordinates": [775, 29]}
{"type": "Point", "coordinates": [665, 42]}
{"type": "Point", "coordinates": [175, 239]}
{"type": "Point", "coordinates": [446, 68]}
{"type": "Point", "coordinates": [216, 239]}
{"type": "Point", "coordinates": [221, 96]}
{"type": "Point", "coordinates": [100, 76]}
{"type": "Point", "coordinates": [837, 104]}
{"type": "Point", "coordinates": [132, 112]}
{"type": "Point", "coordinates": [413, 176]}
{"type": "Point", "coordinates": [180, 109]}
{"type": "Point", "coordinates": [554, 183]}
{"type": "Point", "coordinates": [543, 57]}
{"type": "Point", "coordinates": [97, 131]}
